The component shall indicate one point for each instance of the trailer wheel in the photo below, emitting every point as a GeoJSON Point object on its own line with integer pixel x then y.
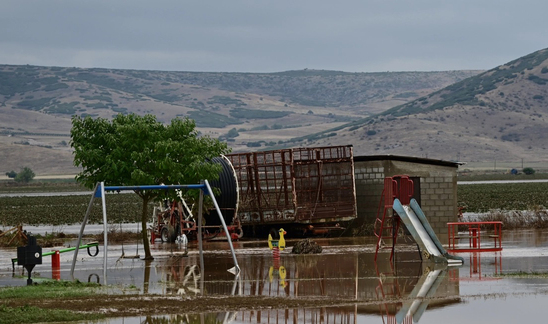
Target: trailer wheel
{"type": "Point", "coordinates": [164, 235]}
{"type": "Point", "coordinates": [169, 233]}
{"type": "Point", "coordinates": [174, 232]}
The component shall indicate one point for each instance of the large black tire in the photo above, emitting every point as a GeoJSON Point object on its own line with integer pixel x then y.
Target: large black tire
{"type": "Point", "coordinates": [164, 235]}
{"type": "Point", "coordinates": [169, 233]}
{"type": "Point", "coordinates": [174, 232]}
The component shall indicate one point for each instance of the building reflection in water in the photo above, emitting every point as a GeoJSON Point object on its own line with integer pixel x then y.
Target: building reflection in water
{"type": "Point", "coordinates": [398, 292]}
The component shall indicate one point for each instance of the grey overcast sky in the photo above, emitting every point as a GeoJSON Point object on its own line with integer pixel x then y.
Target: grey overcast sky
{"type": "Point", "coordinates": [272, 36]}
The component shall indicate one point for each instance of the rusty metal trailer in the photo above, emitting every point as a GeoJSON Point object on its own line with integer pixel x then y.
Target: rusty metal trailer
{"type": "Point", "coordinates": [311, 189]}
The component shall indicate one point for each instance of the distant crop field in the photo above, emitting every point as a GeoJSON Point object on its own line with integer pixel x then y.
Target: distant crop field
{"type": "Point", "coordinates": [500, 167]}
{"type": "Point", "coordinates": [480, 198]}
{"type": "Point", "coordinates": [67, 210]}
{"type": "Point", "coordinates": [126, 208]}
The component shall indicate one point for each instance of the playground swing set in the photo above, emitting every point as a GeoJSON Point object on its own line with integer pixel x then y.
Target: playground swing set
{"type": "Point", "coordinates": [204, 187]}
{"type": "Point", "coordinates": [31, 255]}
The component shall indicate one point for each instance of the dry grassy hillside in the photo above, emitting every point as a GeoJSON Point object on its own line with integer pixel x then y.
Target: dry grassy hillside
{"type": "Point", "coordinates": [250, 111]}
{"type": "Point", "coordinates": [498, 115]}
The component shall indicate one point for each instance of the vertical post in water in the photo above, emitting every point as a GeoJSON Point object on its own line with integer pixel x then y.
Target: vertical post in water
{"type": "Point", "coordinates": [200, 246]}
{"type": "Point", "coordinates": [105, 235]}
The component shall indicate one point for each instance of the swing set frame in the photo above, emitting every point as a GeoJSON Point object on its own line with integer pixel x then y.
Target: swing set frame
{"type": "Point", "coordinates": [204, 187]}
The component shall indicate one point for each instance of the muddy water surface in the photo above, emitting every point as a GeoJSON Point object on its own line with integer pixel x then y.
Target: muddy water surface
{"type": "Point", "coordinates": [405, 291]}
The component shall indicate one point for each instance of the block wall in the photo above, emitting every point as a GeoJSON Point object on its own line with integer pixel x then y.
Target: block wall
{"type": "Point", "coordinates": [438, 191]}
{"type": "Point", "coordinates": [369, 180]}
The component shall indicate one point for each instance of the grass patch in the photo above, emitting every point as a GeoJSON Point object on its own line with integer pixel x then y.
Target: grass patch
{"type": "Point", "coordinates": [524, 274]}
{"type": "Point", "coordinates": [50, 289]}
{"type": "Point", "coordinates": [32, 314]}
{"type": "Point", "coordinates": [45, 290]}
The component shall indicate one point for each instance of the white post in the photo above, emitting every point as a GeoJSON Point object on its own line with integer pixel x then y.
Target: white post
{"type": "Point", "coordinates": [105, 236]}
{"type": "Point", "coordinates": [200, 245]}
{"type": "Point", "coordinates": [82, 231]}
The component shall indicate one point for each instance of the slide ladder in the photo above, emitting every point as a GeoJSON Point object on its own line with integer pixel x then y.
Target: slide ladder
{"type": "Point", "coordinates": [388, 224]}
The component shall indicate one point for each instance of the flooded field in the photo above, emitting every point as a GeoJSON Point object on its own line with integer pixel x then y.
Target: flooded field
{"type": "Point", "coordinates": [404, 291]}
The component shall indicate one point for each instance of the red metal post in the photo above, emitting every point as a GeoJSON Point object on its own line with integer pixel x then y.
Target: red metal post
{"type": "Point", "coordinates": [474, 238]}
{"type": "Point", "coordinates": [56, 266]}
{"type": "Point", "coordinates": [56, 260]}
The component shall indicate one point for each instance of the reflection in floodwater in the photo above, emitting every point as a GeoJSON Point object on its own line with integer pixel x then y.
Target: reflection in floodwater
{"type": "Point", "coordinates": [400, 292]}
{"type": "Point", "coordinates": [418, 300]}
{"type": "Point", "coordinates": [405, 291]}
{"type": "Point", "coordinates": [395, 291]}
{"type": "Point", "coordinates": [412, 293]}
{"type": "Point", "coordinates": [181, 277]}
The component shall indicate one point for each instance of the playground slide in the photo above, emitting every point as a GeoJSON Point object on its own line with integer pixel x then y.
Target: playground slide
{"type": "Point", "coordinates": [416, 223]}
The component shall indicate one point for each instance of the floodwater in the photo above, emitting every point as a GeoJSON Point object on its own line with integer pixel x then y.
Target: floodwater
{"type": "Point", "coordinates": [428, 293]}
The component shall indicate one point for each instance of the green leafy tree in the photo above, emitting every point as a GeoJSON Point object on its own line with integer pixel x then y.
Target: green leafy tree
{"type": "Point", "coordinates": [25, 175]}
{"type": "Point", "coordinates": [139, 150]}
{"type": "Point", "coordinates": [528, 171]}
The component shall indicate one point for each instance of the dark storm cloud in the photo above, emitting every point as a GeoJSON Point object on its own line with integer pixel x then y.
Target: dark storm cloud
{"type": "Point", "coordinates": [265, 36]}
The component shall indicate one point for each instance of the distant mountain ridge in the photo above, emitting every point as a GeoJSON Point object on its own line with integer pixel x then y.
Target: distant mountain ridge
{"type": "Point", "coordinates": [500, 114]}
{"type": "Point", "coordinates": [249, 110]}
{"type": "Point", "coordinates": [495, 115]}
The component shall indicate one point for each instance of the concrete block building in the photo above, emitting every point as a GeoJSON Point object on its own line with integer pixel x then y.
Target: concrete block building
{"type": "Point", "coordinates": [435, 188]}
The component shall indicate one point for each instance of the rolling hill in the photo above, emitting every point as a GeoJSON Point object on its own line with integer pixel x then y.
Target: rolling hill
{"type": "Point", "coordinates": [497, 115]}
{"type": "Point", "coordinates": [251, 111]}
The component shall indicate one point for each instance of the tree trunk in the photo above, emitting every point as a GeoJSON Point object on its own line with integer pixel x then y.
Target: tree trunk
{"type": "Point", "coordinates": [144, 217]}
